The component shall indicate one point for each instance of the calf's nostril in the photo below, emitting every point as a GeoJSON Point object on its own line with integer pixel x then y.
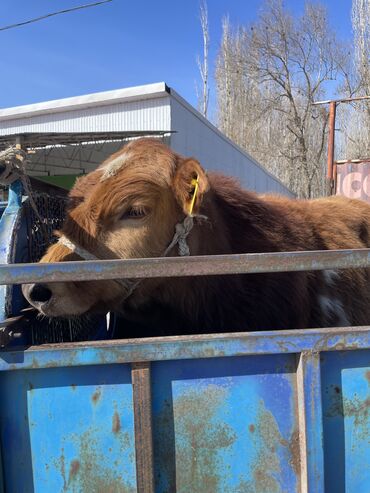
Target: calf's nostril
{"type": "Point", "coordinates": [40, 293]}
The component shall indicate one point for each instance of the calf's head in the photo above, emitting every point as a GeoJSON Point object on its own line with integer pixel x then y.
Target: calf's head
{"type": "Point", "coordinates": [127, 208]}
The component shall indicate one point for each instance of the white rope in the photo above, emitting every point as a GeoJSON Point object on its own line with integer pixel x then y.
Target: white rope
{"type": "Point", "coordinates": [13, 159]}
{"type": "Point", "coordinates": [86, 255]}
{"type": "Point", "coordinates": [81, 252]}
{"type": "Point", "coordinates": [182, 231]}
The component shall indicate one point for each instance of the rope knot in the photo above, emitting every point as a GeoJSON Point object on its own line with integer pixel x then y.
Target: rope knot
{"type": "Point", "coordinates": [182, 231]}
{"type": "Point", "coordinates": [11, 165]}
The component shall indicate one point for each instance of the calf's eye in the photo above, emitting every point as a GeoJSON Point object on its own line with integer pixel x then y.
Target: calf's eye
{"type": "Point", "coordinates": [134, 213]}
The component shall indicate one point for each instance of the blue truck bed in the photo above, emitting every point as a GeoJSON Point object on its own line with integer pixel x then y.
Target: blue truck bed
{"type": "Point", "coordinates": [284, 411]}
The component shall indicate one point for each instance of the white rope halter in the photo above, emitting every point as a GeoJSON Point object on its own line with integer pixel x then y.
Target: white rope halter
{"type": "Point", "coordinates": [81, 252]}
{"type": "Point", "coordinates": [182, 231]}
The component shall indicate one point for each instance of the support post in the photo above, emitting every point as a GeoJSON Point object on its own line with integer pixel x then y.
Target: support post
{"type": "Point", "coordinates": [331, 146]}
{"type": "Point", "coordinates": [140, 375]}
{"type": "Point", "coordinates": [310, 423]}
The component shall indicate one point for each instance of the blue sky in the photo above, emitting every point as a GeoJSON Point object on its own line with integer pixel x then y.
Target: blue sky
{"type": "Point", "coordinates": [119, 44]}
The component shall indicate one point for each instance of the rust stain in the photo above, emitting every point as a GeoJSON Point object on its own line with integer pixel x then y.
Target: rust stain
{"type": "Point", "coordinates": [198, 465]}
{"type": "Point", "coordinates": [63, 469]}
{"type": "Point", "coordinates": [73, 386]}
{"type": "Point", "coordinates": [295, 453]}
{"type": "Point", "coordinates": [101, 486]}
{"type": "Point", "coordinates": [30, 386]}
{"type": "Point", "coordinates": [337, 389]}
{"type": "Point", "coordinates": [264, 482]}
{"type": "Point", "coordinates": [91, 474]}
{"type": "Point", "coordinates": [116, 423]}
{"type": "Point", "coordinates": [163, 443]}
{"type": "Point", "coordinates": [355, 408]}
{"type": "Point", "coordinates": [96, 396]}
{"type": "Point", "coordinates": [267, 465]}
{"type": "Point", "coordinates": [73, 470]}
{"type": "Point", "coordinates": [270, 444]}
{"type": "Point", "coordinates": [326, 342]}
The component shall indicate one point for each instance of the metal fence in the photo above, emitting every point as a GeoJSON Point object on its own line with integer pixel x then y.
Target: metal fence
{"type": "Point", "coordinates": [248, 263]}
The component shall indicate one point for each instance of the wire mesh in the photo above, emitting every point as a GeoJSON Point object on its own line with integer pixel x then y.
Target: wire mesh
{"type": "Point", "coordinates": [41, 329]}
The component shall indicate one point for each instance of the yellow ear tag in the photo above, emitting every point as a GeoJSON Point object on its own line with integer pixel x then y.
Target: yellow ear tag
{"type": "Point", "coordinates": [195, 184]}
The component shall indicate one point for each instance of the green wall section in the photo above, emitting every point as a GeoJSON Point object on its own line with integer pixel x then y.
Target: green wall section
{"type": "Point", "coordinates": [63, 181]}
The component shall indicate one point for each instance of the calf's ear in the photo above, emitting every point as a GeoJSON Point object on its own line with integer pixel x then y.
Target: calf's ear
{"type": "Point", "coordinates": [190, 183]}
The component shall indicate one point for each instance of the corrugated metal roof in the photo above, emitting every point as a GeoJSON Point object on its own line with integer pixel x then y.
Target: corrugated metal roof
{"type": "Point", "coordinates": [141, 115]}
{"type": "Point", "coordinates": [136, 93]}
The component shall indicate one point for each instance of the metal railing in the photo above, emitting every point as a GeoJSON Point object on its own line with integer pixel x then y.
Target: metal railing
{"type": "Point", "coordinates": [146, 268]}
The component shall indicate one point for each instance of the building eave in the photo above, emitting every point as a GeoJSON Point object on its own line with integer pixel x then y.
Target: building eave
{"type": "Point", "coordinates": [137, 93]}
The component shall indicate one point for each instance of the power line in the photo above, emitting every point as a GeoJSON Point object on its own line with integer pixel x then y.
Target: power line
{"type": "Point", "coordinates": [36, 19]}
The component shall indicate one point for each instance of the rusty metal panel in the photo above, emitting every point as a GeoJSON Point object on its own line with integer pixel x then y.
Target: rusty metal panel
{"type": "Point", "coordinates": [68, 430]}
{"type": "Point", "coordinates": [346, 411]}
{"type": "Point", "coordinates": [271, 412]}
{"type": "Point", "coordinates": [226, 425]}
{"type": "Point", "coordinates": [353, 180]}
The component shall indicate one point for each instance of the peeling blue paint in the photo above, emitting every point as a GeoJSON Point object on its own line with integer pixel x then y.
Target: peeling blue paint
{"type": "Point", "coordinates": [8, 229]}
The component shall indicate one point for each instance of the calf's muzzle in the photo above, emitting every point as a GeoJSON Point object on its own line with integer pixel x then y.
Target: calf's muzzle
{"type": "Point", "coordinates": [37, 294]}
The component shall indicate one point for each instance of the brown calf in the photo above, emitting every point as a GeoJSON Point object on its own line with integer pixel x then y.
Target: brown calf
{"type": "Point", "coordinates": [129, 208]}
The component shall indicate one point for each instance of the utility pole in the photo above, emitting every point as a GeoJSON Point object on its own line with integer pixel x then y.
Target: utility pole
{"type": "Point", "coordinates": [331, 166]}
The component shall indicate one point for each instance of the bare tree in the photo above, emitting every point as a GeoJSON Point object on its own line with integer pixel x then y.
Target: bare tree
{"type": "Point", "coordinates": [241, 104]}
{"type": "Point", "coordinates": [283, 64]}
{"type": "Point", "coordinates": [203, 95]}
{"type": "Point", "coordinates": [354, 119]}
{"type": "Point", "coordinates": [361, 28]}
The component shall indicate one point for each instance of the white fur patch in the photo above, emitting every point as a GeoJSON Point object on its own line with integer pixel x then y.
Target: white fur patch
{"type": "Point", "coordinates": [112, 167]}
{"type": "Point", "coordinates": [333, 309]}
{"type": "Point", "coordinates": [331, 276]}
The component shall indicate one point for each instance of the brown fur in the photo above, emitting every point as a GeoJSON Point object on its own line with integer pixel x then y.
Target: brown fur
{"type": "Point", "coordinates": [156, 179]}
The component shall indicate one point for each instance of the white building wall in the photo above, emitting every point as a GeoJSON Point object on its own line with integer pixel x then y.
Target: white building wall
{"type": "Point", "coordinates": [197, 137]}
{"type": "Point", "coordinates": [149, 114]}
